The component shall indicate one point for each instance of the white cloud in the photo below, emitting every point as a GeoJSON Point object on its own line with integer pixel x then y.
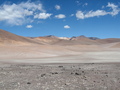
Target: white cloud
{"type": "Point", "coordinates": [42, 15]}
{"type": "Point", "coordinates": [66, 27]}
{"type": "Point", "coordinates": [57, 7]}
{"type": "Point", "coordinates": [29, 26]}
{"type": "Point", "coordinates": [115, 9]}
{"type": "Point", "coordinates": [18, 14]}
{"type": "Point", "coordinates": [82, 15]}
{"type": "Point", "coordinates": [60, 16]}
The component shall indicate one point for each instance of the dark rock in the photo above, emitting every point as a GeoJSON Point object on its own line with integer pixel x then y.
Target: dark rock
{"type": "Point", "coordinates": [55, 73]}
{"type": "Point", "coordinates": [28, 83]}
{"type": "Point", "coordinates": [43, 75]}
{"type": "Point", "coordinates": [77, 74]}
{"type": "Point", "coordinates": [82, 71]}
{"type": "Point", "coordinates": [60, 66]}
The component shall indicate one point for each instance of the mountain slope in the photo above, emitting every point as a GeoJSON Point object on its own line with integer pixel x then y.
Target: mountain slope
{"type": "Point", "coordinates": [9, 38]}
{"type": "Point", "coordinates": [108, 40]}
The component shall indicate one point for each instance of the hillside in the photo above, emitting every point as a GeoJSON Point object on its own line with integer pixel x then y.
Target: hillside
{"type": "Point", "coordinates": [9, 38]}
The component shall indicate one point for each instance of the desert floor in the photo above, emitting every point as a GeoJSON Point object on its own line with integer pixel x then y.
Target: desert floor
{"type": "Point", "coordinates": [87, 76]}
{"type": "Point", "coordinates": [78, 67]}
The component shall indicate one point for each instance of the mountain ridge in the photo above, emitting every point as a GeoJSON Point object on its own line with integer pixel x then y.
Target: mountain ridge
{"type": "Point", "coordinates": [10, 38]}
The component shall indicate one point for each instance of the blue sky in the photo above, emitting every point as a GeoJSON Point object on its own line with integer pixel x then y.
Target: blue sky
{"type": "Point", "coordinates": [62, 18]}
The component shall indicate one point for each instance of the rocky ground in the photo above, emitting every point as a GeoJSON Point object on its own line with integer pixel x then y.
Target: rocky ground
{"type": "Point", "coordinates": [60, 76]}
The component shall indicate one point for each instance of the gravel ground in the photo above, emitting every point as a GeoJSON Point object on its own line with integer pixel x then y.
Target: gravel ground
{"type": "Point", "coordinates": [60, 76]}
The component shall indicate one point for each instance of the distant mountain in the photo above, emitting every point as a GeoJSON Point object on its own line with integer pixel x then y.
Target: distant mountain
{"type": "Point", "coordinates": [50, 39]}
{"type": "Point", "coordinates": [51, 36]}
{"type": "Point", "coordinates": [64, 38]}
{"type": "Point", "coordinates": [82, 36]}
{"type": "Point", "coordinates": [77, 38]}
{"type": "Point", "coordinates": [9, 38]}
{"type": "Point", "coordinates": [93, 38]}
{"type": "Point", "coordinates": [108, 40]}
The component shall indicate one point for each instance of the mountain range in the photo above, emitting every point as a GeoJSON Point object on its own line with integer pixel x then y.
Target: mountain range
{"type": "Point", "coordinates": [7, 38]}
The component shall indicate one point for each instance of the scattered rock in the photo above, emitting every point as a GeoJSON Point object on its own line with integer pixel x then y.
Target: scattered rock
{"type": "Point", "coordinates": [82, 71]}
{"type": "Point", "coordinates": [60, 66]}
{"type": "Point", "coordinates": [42, 75]}
{"type": "Point", "coordinates": [28, 83]}
{"type": "Point", "coordinates": [77, 74]}
{"type": "Point", "coordinates": [55, 73]}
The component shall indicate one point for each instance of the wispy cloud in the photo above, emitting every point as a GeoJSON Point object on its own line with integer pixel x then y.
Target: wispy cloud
{"type": "Point", "coordinates": [66, 26]}
{"type": "Point", "coordinates": [57, 7]}
{"type": "Point", "coordinates": [78, 2]}
{"type": "Point", "coordinates": [95, 13]}
{"type": "Point", "coordinates": [85, 4]}
{"type": "Point", "coordinates": [103, 7]}
{"type": "Point", "coordinates": [60, 16]}
{"type": "Point", "coordinates": [29, 26]}
{"type": "Point", "coordinates": [82, 15]}
{"type": "Point", "coordinates": [18, 14]}
{"type": "Point", "coordinates": [72, 15]}
{"type": "Point", "coordinates": [115, 9]}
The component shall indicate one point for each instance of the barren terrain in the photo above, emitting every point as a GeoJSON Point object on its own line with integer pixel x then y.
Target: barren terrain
{"type": "Point", "coordinates": [53, 63]}
{"type": "Point", "coordinates": [59, 54]}
{"type": "Point", "coordinates": [60, 76]}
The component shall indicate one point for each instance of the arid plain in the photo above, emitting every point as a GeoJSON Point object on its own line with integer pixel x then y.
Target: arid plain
{"type": "Point", "coordinates": [59, 63]}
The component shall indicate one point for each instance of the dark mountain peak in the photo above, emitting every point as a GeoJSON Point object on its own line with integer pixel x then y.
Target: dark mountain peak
{"type": "Point", "coordinates": [72, 38]}
{"type": "Point", "coordinates": [76, 38]}
{"type": "Point", "coordinates": [51, 36]}
{"type": "Point", "coordinates": [93, 38]}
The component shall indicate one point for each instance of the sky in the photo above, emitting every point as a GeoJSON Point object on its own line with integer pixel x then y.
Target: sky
{"type": "Point", "coordinates": [62, 18]}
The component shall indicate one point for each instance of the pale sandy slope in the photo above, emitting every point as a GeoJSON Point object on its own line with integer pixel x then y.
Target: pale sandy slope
{"type": "Point", "coordinates": [59, 54]}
